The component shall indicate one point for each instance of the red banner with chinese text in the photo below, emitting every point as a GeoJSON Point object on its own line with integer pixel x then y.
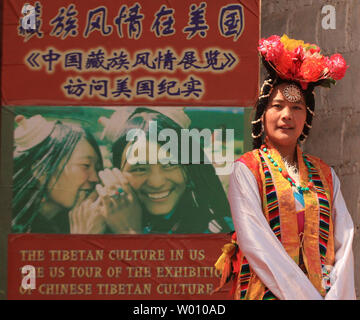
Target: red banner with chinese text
{"type": "Point", "coordinates": [190, 52]}
{"type": "Point", "coordinates": [158, 267]}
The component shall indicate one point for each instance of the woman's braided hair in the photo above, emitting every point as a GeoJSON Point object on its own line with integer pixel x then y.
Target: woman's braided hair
{"type": "Point", "coordinates": [270, 82]}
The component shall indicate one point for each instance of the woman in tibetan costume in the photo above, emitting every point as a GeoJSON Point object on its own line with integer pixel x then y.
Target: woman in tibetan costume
{"type": "Point", "coordinates": [294, 233]}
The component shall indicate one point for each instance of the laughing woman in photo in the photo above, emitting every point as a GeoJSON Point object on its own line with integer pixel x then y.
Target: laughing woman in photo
{"type": "Point", "coordinates": [144, 197]}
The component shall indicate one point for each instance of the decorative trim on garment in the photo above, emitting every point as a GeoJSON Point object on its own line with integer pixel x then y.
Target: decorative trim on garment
{"type": "Point", "coordinates": [324, 219]}
{"type": "Point", "coordinates": [272, 202]}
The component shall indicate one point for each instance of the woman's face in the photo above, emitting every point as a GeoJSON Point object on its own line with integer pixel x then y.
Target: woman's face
{"type": "Point", "coordinates": [158, 186]}
{"type": "Point", "coordinates": [284, 120]}
{"type": "Point", "coordinates": [79, 175]}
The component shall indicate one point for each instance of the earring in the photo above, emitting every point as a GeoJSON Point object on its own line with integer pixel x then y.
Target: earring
{"type": "Point", "coordinates": [256, 121]}
{"type": "Point", "coordinates": [311, 112]}
{"type": "Point", "coordinates": [308, 125]}
{"type": "Point", "coordinates": [304, 137]}
{"type": "Point", "coordinates": [261, 132]}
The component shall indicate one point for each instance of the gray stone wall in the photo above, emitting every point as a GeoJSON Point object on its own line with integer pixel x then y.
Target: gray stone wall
{"type": "Point", "coordinates": [335, 136]}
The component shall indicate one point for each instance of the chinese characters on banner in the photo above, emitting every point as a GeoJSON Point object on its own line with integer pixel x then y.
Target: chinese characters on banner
{"type": "Point", "coordinates": [88, 60]}
{"type": "Point", "coordinates": [134, 52]}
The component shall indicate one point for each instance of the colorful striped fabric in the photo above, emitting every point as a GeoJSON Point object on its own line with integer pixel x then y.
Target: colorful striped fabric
{"type": "Point", "coordinates": [324, 210]}
{"type": "Point", "coordinates": [268, 295]}
{"type": "Point", "coordinates": [272, 202]}
{"type": "Point", "coordinates": [274, 220]}
{"type": "Point", "coordinates": [244, 278]}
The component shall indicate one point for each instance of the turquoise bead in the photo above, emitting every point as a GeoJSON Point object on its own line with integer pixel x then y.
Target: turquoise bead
{"type": "Point", "coordinates": [308, 165]}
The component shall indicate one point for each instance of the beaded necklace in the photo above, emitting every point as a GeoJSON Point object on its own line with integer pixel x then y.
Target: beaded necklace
{"type": "Point", "coordinates": [288, 177]}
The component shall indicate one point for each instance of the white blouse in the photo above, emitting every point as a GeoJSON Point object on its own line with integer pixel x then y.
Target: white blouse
{"type": "Point", "coordinates": [268, 258]}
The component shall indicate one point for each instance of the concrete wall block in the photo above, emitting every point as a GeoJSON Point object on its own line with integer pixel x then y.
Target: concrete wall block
{"type": "Point", "coordinates": [267, 8]}
{"type": "Point", "coordinates": [303, 22]}
{"type": "Point", "coordinates": [356, 217]}
{"type": "Point", "coordinates": [335, 98]}
{"type": "Point", "coordinates": [351, 139]}
{"type": "Point", "coordinates": [348, 89]}
{"type": "Point", "coordinates": [354, 25]}
{"type": "Point", "coordinates": [325, 139]}
{"type": "Point", "coordinates": [331, 40]}
{"type": "Point", "coordinates": [302, 3]}
{"type": "Point", "coordinates": [350, 189]}
{"type": "Point", "coordinates": [274, 24]}
{"type": "Point", "coordinates": [281, 5]}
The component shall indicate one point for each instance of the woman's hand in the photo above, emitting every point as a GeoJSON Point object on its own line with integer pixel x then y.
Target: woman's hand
{"type": "Point", "coordinates": [86, 217]}
{"type": "Point", "coordinates": [120, 206]}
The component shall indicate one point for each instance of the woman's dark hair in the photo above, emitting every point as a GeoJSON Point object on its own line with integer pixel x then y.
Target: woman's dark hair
{"type": "Point", "coordinates": [204, 199]}
{"type": "Point", "coordinates": [35, 167]}
{"type": "Point", "coordinates": [270, 82]}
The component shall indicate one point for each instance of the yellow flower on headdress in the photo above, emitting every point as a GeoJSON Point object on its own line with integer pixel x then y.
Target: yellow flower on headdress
{"type": "Point", "coordinates": [292, 44]}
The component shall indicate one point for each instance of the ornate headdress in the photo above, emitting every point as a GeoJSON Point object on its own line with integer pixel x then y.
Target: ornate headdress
{"type": "Point", "coordinates": [301, 62]}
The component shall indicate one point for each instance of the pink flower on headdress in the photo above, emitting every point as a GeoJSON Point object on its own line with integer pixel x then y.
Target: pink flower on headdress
{"type": "Point", "coordinates": [337, 66]}
{"type": "Point", "coordinates": [271, 48]}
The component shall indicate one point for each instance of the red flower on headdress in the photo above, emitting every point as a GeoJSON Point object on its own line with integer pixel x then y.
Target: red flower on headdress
{"type": "Point", "coordinates": [314, 49]}
{"type": "Point", "coordinates": [337, 66]}
{"type": "Point", "coordinates": [285, 64]}
{"type": "Point", "coordinates": [289, 64]}
{"type": "Point", "coordinates": [313, 68]}
{"type": "Point", "coordinates": [271, 48]}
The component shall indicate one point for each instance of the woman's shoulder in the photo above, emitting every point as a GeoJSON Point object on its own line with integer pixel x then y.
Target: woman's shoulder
{"type": "Point", "coordinates": [250, 159]}
{"type": "Point", "coordinates": [248, 166]}
{"type": "Point", "coordinates": [248, 156]}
